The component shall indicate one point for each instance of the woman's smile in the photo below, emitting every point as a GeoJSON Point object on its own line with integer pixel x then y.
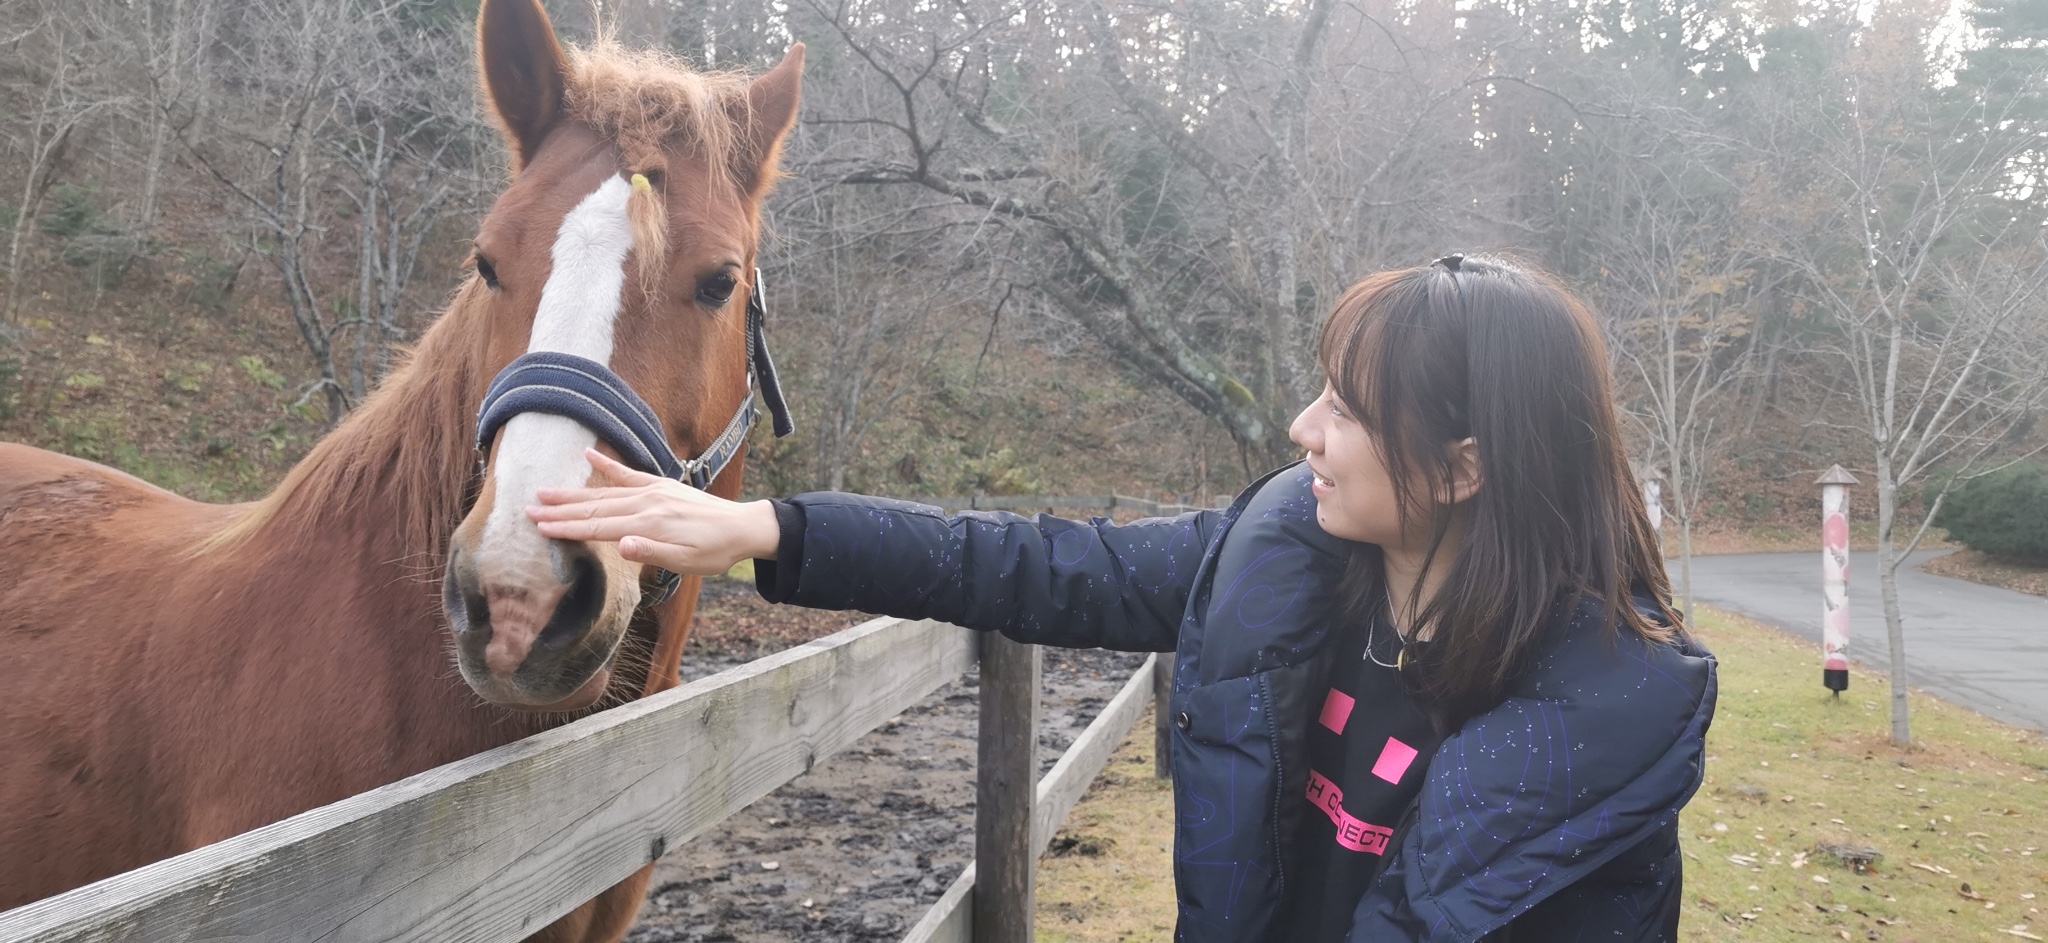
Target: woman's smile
{"type": "Point", "coordinates": [1323, 484]}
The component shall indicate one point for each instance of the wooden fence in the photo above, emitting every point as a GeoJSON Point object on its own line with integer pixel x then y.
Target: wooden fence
{"type": "Point", "coordinates": [491, 848]}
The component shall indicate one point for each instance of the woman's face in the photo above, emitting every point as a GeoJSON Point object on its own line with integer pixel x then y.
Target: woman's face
{"type": "Point", "coordinates": [1354, 492]}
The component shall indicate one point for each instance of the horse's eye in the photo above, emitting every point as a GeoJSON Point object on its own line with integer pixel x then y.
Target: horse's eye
{"type": "Point", "coordinates": [488, 272]}
{"type": "Point", "coordinates": [717, 289]}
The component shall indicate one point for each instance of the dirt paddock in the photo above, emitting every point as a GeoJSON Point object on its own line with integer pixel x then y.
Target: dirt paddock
{"type": "Point", "coordinates": [861, 846]}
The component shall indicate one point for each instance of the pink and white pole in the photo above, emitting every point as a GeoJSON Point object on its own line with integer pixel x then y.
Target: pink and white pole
{"type": "Point", "coordinates": [1834, 575]}
{"type": "Point", "coordinates": [1653, 492]}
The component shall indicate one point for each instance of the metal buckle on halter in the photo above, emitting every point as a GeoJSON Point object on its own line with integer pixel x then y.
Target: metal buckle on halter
{"type": "Point", "coordinates": [698, 473]}
{"type": "Point", "coordinates": [665, 586]}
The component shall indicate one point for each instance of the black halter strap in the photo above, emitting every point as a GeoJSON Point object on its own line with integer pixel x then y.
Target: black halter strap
{"type": "Point", "coordinates": [591, 394]}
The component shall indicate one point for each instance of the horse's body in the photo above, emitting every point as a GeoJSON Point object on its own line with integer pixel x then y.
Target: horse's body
{"type": "Point", "coordinates": [173, 673]}
{"type": "Point", "coordinates": [175, 698]}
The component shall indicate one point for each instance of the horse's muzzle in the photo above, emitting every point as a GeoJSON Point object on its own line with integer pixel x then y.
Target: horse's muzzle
{"type": "Point", "coordinates": [532, 644]}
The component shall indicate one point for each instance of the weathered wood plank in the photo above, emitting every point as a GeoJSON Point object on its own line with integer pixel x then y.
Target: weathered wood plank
{"type": "Point", "coordinates": [1006, 773]}
{"type": "Point", "coordinates": [1061, 789]}
{"type": "Point", "coordinates": [492, 847]}
{"type": "Point", "coordinates": [950, 920]}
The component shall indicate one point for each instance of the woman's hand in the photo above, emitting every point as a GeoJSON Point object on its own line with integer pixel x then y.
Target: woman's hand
{"type": "Point", "coordinates": [657, 521]}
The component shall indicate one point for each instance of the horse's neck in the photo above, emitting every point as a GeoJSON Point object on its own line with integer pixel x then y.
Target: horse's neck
{"type": "Point", "coordinates": [388, 486]}
{"type": "Point", "coordinates": [350, 548]}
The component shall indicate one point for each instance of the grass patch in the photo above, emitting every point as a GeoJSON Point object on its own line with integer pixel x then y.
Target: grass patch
{"type": "Point", "coordinates": [1958, 819]}
{"type": "Point", "coordinates": [1108, 876]}
{"type": "Point", "coordinates": [1959, 822]}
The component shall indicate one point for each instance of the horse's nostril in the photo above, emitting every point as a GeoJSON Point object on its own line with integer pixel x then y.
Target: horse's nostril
{"type": "Point", "coordinates": [462, 598]}
{"type": "Point", "coordinates": [581, 605]}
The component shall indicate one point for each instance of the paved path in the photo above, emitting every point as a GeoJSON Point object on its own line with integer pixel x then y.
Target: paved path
{"type": "Point", "coordinates": [1975, 645]}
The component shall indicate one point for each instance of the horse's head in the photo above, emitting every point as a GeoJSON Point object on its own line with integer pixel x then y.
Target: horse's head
{"type": "Point", "coordinates": [627, 238]}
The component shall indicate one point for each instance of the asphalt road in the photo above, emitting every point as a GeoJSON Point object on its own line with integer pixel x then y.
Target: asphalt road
{"type": "Point", "coordinates": [1979, 646]}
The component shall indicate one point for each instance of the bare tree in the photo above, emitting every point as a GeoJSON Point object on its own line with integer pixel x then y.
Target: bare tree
{"type": "Point", "coordinates": [61, 101]}
{"type": "Point", "coordinates": [168, 43]}
{"type": "Point", "coordinates": [1176, 197]}
{"type": "Point", "coordinates": [866, 298]}
{"type": "Point", "coordinates": [413, 150]}
{"type": "Point", "coordinates": [1914, 241]}
{"type": "Point", "coordinates": [354, 93]}
{"type": "Point", "coordinates": [1676, 281]}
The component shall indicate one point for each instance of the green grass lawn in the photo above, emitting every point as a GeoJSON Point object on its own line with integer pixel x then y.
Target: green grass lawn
{"type": "Point", "coordinates": [1957, 822]}
{"type": "Point", "coordinates": [1958, 819]}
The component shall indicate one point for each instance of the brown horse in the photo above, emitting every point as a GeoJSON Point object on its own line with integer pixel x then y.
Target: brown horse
{"type": "Point", "coordinates": [173, 673]}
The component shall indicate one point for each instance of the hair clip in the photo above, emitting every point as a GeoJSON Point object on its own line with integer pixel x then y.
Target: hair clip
{"type": "Point", "coordinates": [1451, 262]}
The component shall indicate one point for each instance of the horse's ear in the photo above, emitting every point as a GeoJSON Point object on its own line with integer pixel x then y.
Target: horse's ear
{"type": "Point", "coordinates": [771, 112]}
{"type": "Point", "coordinates": [523, 71]}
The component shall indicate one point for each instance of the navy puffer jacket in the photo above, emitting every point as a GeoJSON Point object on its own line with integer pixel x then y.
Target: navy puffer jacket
{"type": "Point", "coordinates": [1550, 817]}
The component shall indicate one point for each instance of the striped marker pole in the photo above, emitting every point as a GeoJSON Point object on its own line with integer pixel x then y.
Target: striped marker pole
{"type": "Point", "coordinates": [1834, 576]}
{"type": "Point", "coordinates": [1653, 492]}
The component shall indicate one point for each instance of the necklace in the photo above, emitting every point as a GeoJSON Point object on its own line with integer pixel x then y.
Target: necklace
{"type": "Point", "coordinates": [1372, 641]}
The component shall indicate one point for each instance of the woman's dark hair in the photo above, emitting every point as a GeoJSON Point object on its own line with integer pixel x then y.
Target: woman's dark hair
{"type": "Point", "coordinates": [1486, 348]}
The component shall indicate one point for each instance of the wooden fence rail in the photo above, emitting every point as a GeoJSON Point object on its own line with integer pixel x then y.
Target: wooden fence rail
{"type": "Point", "coordinates": [491, 848]}
{"type": "Point", "coordinates": [952, 919]}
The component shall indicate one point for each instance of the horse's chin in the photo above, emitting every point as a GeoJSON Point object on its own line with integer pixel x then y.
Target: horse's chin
{"type": "Point", "coordinates": [523, 698]}
{"type": "Point", "coordinates": [590, 693]}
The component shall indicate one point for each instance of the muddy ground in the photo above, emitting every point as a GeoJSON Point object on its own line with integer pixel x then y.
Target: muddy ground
{"type": "Point", "coordinates": [858, 848]}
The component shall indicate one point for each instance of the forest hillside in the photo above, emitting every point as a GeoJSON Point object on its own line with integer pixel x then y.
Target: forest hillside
{"type": "Point", "coordinates": [1077, 248]}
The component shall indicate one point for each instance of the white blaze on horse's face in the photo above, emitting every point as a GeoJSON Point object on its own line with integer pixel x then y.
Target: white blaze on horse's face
{"type": "Point", "coordinates": [578, 308]}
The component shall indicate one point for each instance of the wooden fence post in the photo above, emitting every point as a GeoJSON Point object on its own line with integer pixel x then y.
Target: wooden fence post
{"type": "Point", "coordinates": [1005, 863]}
{"type": "Point", "coordinates": [1162, 716]}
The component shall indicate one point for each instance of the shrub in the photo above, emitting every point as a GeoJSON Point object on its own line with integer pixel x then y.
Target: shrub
{"type": "Point", "coordinates": [260, 372]}
{"type": "Point", "coordinates": [92, 239]}
{"type": "Point", "coordinates": [74, 213]}
{"type": "Point", "coordinates": [213, 280]}
{"type": "Point", "coordinates": [10, 387]}
{"type": "Point", "coordinates": [2004, 514]}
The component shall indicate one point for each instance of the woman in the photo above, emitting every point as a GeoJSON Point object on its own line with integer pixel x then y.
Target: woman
{"type": "Point", "coordinates": [1428, 686]}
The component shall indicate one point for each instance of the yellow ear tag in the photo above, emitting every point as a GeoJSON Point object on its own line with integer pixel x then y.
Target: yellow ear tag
{"type": "Point", "coordinates": [640, 183]}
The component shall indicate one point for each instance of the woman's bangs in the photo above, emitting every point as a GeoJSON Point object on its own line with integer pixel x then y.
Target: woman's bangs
{"type": "Point", "coordinates": [1353, 345]}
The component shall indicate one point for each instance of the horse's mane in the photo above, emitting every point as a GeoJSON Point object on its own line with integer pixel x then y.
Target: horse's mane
{"type": "Point", "coordinates": [649, 101]}
{"type": "Point", "coordinates": [407, 452]}
{"type": "Point", "coordinates": [405, 455]}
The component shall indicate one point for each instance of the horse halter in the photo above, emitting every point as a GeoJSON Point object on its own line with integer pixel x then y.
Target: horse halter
{"type": "Point", "coordinates": [589, 393]}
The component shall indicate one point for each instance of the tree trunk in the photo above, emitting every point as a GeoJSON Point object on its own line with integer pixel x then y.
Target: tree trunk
{"type": "Point", "coordinates": [21, 220]}
{"type": "Point", "coordinates": [368, 268]}
{"type": "Point", "coordinates": [1888, 588]}
{"type": "Point", "coordinates": [1685, 562]}
{"type": "Point", "coordinates": [164, 94]}
{"type": "Point", "coordinates": [1681, 472]}
{"type": "Point", "coordinates": [1766, 387]}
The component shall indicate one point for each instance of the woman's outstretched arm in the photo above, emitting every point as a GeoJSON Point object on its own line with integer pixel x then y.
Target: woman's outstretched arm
{"type": "Point", "coordinates": [1043, 580]}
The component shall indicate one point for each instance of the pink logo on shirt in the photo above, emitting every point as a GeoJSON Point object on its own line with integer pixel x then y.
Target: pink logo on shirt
{"type": "Point", "coordinates": [1393, 761]}
{"type": "Point", "coordinates": [1337, 710]}
{"type": "Point", "coordinates": [1353, 832]}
